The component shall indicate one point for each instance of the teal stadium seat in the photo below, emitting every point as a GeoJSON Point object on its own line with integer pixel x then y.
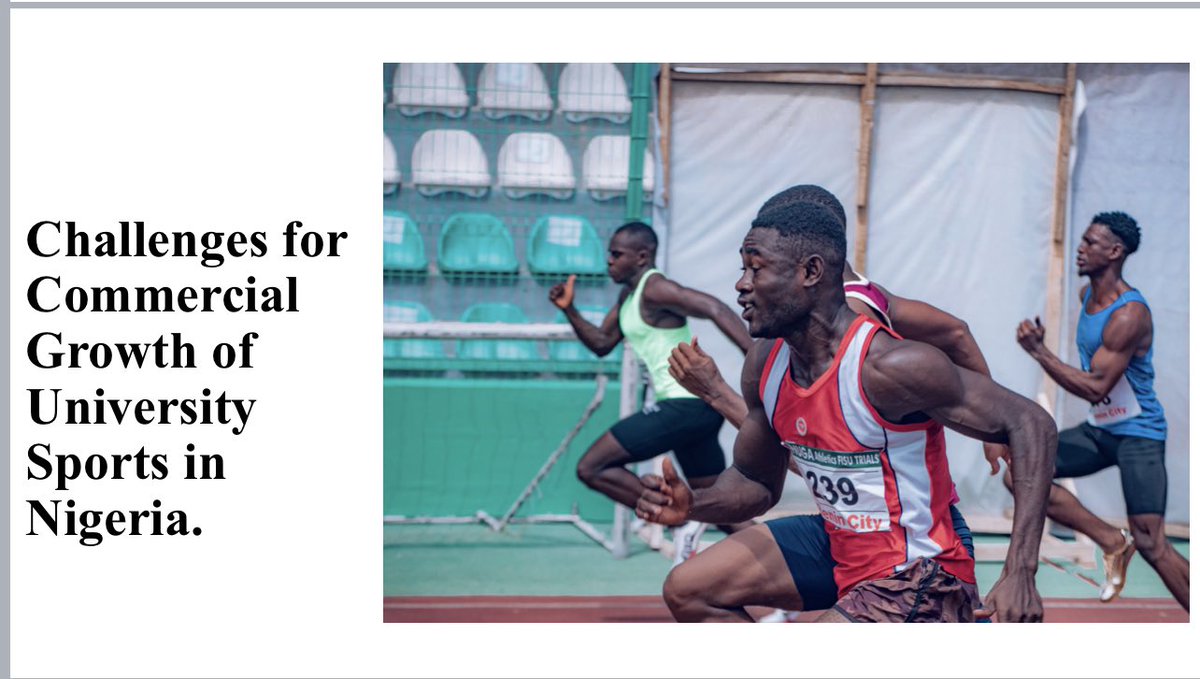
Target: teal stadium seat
{"type": "Point", "coordinates": [403, 247]}
{"type": "Point", "coordinates": [491, 354]}
{"type": "Point", "coordinates": [560, 245]}
{"type": "Point", "coordinates": [409, 312]}
{"type": "Point", "coordinates": [476, 243]}
{"type": "Point", "coordinates": [574, 351]}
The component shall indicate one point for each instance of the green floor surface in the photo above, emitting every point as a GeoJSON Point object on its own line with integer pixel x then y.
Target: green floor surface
{"type": "Point", "coordinates": [559, 560]}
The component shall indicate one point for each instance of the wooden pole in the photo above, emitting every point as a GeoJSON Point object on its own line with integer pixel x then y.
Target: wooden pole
{"type": "Point", "coordinates": [664, 126]}
{"type": "Point", "coordinates": [883, 80]}
{"type": "Point", "coordinates": [1052, 320]}
{"type": "Point", "coordinates": [866, 125]}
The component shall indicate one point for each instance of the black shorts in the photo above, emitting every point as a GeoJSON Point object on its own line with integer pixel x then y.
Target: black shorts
{"type": "Point", "coordinates": [805, 546]}
{"type": "Point", "coordinates": [687, 426]}
{"type": "Point", "coordinates": [1086, 449]}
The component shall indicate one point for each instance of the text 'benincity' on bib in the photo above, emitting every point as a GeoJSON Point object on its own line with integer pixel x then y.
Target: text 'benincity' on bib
{"type": "Point", "coordinates": [848, 487]}
{"type": "Point", "coordinates": [1118, 405]}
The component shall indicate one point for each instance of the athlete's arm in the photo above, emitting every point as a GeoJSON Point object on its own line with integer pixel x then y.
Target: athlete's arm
{"type": "Point", "coordinates": [600, 340]}
{"type": "Point", "coordinates": [751, 486]}
{"type": "Point", "coordinates": [698, 373]}
{"type": "Point", "coordinates": [663, 293]}
{"type": "Point", "coordinates": [1122, 335]}
{"type": "Point", "coordinates": [926, 323]}
{"type": "Point", "coordinates": [907, 377]}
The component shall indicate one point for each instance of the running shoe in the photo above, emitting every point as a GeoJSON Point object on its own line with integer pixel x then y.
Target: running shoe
{"type": "Point", "coordinates": [1115, 565]}
{"type": "Point", "coordinates": [781, 615]}
{"type": "Point", "coordinates": [687, 540]}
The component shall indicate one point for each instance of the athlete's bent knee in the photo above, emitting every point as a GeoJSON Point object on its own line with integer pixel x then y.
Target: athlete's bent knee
{"type": "Point", "coordinates": [1149, 538]}
{"type": "Point", "coordinates": [587, 473]}
{"type": "Point", "coordinates": [684, 594]}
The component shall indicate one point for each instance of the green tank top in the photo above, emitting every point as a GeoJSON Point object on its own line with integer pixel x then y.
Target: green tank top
{"type": "Point", "coordinates": [653, 345]}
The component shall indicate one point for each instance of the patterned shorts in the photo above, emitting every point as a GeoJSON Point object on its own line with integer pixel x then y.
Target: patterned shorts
{"type": "Point", "coordinates": [923, 592]}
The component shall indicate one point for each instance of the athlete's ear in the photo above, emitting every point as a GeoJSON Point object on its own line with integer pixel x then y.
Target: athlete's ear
{"type": "Point", "coordinates": [645, 257]}
{"type": "Point", "coordinates": [813, 270]}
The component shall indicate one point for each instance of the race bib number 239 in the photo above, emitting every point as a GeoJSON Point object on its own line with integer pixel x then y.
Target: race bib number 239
{"type": "Point", "coordinates": [848, 487]}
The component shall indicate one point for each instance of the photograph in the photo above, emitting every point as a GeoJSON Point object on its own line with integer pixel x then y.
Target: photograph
{"type": "Point", "coordinates": [785, 342]}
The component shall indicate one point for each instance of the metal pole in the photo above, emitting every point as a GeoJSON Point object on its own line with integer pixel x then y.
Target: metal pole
{"type": "Point", "coordinates": [638, 125]}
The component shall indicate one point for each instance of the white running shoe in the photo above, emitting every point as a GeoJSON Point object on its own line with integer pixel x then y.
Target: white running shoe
{"type": "Point", "coordinates": [687, 540]}
{"type": "Point", "coordinates": [780, 615]}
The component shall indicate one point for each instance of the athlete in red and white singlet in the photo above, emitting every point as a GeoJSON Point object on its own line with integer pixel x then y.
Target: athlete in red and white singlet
{"type": "Point", "coordinates": [883, 489]}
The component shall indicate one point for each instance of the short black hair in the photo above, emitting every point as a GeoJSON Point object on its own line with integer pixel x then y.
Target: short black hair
{"type": "Point", "coordinates": [808, 228]}
{"type": "Point", "coordinates": [807, 193]}
{"type": "Point", "coordinates": [1124, 227]}
{"type": "Point", "coordinates": [642, 233]}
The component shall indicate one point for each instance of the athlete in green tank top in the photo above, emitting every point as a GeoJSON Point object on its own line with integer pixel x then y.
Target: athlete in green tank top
{"type": "Point", "coordinates": [651, 312]}
{"type": "Point", "coordinates": [653, 345]}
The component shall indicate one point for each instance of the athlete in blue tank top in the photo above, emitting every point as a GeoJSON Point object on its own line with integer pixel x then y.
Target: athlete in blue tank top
{"type": "Point", "coordinates": [1125, 425]}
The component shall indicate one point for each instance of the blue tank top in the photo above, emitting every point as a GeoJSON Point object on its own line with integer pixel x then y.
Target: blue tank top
{"type": "Point", "coordinates": [1150, 423]}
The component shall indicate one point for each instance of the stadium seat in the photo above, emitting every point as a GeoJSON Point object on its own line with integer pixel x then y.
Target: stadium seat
{"type": "Point", "coordinates": [593, 91]}
{"type": "Point", "coordinates": [560, 245]}
{"type": "Point", "coordinates": [476, 243]}
{"type": "Point", "coordinates": [495, 349]}
{"type": "Point", "coordinates": [606, 168]}
{"type": "Point", "coordinates": [436, 88]}
{"type": "Point", "coordinates": [450, 160]}
{"type": "Point", "coordinates": [514, 90]}
{"type": "Point", "coordinates": [391, 167]}
{"type": "Point", "coordinates": [575, 351]}
{"type": "Point", "coordinates": [403, 247]}
{"type": "Point", "coordinates": [535, 162]}
{"type": "Point", "coordinates": [409, 312]}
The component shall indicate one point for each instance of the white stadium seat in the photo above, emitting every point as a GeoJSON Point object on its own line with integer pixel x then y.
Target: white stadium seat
{"type": "Point", "coordinates": [606, 168]}
{"type": "Point", "coordinates": [439, 88]}
{"type": "Point", "coordinates": [535, 162]}
{"type": "Point", "coordinates": [593, 91]}
{"type": "Point", "coordinates": [450, 160]}
{"type": "Point", "coordinates": [391, 167]}
{"type": "Point", "coordinates": [514, 89]}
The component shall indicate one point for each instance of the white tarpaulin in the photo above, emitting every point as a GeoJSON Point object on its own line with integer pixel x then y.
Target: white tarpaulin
{"type": "Point", "coordinates": [961, 195]}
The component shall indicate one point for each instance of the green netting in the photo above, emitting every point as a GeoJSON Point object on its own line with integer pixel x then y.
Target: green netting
{"type": "Point", "coordinates": [575, 351]}
{"type": "Point", "coordinates": [561, 245]}
{"type": "Point", "coordinates": [492, 354]}
{"type": "Point", "coordinates": [453, 447]}
{"type": "Point", "coordinates": [485, 184]}
{"type": "Point", "coordinates": [440, 175]}
{"type": "Point", "coordinates": [403, 247]}
{"type": "Point", "coordinates": [476, 243]}
{"type": "Point", "coordinates": [409, 312]}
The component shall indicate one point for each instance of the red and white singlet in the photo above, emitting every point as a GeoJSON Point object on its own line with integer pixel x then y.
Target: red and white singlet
{"type": "Point", "coordinates": [884, 489]}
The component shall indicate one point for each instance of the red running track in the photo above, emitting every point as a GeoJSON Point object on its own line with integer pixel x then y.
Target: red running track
{"type": "Point", "coordinates": [652, 609]}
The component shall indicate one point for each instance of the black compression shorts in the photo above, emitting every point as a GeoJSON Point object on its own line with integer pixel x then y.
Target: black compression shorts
{"type": "Point", "coordinates": [687, 426]}
{"type": "Point", "coordinates": [1086, 449]}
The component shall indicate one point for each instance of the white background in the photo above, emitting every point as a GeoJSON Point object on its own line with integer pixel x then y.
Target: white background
{"type": "Point", "coordinates": [247, 119]}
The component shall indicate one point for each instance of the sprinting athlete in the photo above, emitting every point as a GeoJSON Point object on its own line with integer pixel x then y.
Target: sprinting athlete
{"type": "Point", "coordinates": [652, 313]}
{"type": "Point", "coordinates": [696, 370]}
{"type": "Point", "coordinates": [912, 319]}
{"type": "Point", "coordinates": [861, 412]}
{"type": "Point", "coordinates": [1125, 426]}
